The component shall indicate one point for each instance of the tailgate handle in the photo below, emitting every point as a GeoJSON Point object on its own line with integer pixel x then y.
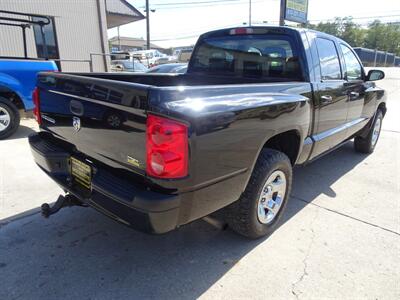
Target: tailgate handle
{"type": "Point", "coordinates": [76, 107]}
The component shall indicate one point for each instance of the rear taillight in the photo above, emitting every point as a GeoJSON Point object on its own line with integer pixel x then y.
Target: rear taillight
{"type": "Point", "coordinates": [166, 148]}
{"type": "Point", "coordinates": [36, 103]}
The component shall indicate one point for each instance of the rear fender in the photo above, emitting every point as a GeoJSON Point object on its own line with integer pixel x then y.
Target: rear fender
{"type": "Point", "coordinates": [9, 85]}
{"type": "Point", "coordinates": [297, 129]}
{"type": "Point", "coordinates": [303, 117]}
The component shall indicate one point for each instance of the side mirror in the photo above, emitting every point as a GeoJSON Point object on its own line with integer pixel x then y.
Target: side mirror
{"type": "Point", "coordinates": [374, 75]}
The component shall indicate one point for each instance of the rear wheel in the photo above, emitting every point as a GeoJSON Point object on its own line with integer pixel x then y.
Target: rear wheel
{"type": "Point", "coordinates": [259, 209]}
{"type": "Point", "coordinates": [9, 118]}
{"type": "Point", "coordinates": [367, 144]}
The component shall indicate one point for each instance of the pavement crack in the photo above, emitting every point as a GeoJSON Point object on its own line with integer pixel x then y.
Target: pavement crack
{"type": "Point", "coordinates": [389, 130]}
{"type": "Point", "coordinates": [346, 215]}
{"type": "Point", "coordinates": [305, 260]}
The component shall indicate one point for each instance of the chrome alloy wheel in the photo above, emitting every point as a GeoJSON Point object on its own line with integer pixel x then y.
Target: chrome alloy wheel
{"type": "Point", "coordinates": [4, 119]}
{"type": "Point", "coordinates": [271, 198]}
{"type": "Point", "coordinates": [376, 131]}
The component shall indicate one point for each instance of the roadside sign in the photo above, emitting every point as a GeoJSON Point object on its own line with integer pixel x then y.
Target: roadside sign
{"type": "Point", "coordinates": [296, 10]}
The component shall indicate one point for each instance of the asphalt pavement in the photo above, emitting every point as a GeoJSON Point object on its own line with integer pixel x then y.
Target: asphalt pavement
{"type": "Point", "coordinates": [340, 237]}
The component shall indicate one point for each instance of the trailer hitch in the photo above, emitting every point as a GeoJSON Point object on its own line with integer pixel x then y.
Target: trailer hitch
{"type": "Point", "coordinates": [62, 201]}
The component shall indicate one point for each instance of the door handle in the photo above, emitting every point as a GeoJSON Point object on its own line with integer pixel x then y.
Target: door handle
{"type": "Point", "coordinates": [354, 95]}
{"type": "Point", "coordinates": [326, 98]}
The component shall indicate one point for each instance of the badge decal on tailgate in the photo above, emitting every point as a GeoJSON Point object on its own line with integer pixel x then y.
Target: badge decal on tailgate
{"type": "Point", "coordinates": [133, 161]}
{"type": "Point", "coordinates": [76, 122]}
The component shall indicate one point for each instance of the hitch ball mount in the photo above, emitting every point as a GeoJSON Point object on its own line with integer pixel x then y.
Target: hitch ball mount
{"type": "Point", "coordinates": [62, 201]}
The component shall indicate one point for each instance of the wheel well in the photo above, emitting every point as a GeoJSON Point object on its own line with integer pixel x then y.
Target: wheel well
{"type": "Point", "coordinates": [287, 142]}
{"type": "Point", "coordinates": [14, 98]}
{"type": "Point", "coordinates": [382, 107]}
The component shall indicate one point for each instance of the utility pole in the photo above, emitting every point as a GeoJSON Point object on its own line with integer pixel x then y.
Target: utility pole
{"type": "Point", "coordinates": [249, 12]}
{"type": "Point", "coordinates": [282, 13]}
{"type": "Point", "coordinates": [119, 40]}
{"type": "Point", "coordinates": [147, 25]}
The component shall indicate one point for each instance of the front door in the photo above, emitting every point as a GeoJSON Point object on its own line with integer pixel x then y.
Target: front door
{"type": "Point", "coordinates": [331, 99]}
{"type": "Point", "coordinates": [355, 89]}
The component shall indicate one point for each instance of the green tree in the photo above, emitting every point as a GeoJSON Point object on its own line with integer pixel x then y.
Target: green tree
{"type": "Point", "coordinates": [327, 27]}
{"type": "Point", "coordinates": [351, 32]}
{"type": "Point", "coordinates": [385, 37]}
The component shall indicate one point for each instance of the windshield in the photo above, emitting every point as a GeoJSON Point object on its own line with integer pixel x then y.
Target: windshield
{"type": "Point", "coordinates": [248, 56]}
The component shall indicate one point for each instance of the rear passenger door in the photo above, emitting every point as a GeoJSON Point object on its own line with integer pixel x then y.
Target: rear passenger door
{"type": "Point", "coordinates": [330, 98]}
{"type": "Point", "coordinates": [355, 89]}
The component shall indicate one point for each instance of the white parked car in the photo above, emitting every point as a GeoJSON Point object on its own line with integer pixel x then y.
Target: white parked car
{"type": "Point", "coordinates": [150, 58]}
{"type": "Point", "coordinates": [126, 65]}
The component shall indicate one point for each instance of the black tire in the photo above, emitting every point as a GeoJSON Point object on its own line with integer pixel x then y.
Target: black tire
{"type": "Point", "coordinates": [367, 144]}
{"type": "Point", "coordinates": [13, 112]}
{"type": "Point", "coordinates": [242, 215]}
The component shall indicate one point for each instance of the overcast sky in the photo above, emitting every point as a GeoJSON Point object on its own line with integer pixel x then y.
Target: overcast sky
{"type": "Point", "coordinates": [180, 24]}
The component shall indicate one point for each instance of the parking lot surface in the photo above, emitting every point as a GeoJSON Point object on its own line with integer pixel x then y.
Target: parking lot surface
{"type": "Point", "coordinates": [340, 237]}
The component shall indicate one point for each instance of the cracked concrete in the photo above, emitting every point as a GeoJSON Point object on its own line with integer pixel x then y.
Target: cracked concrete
{"type": "Point", "coordinates": [306, 257]}
{"type": "Point", "coordinates": [340, 237]}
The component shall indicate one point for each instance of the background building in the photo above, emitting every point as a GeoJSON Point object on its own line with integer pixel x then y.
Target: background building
{"type": "Point", "coordinates": [129, 44]}
{"type": "Point", "coordinates": [79, 28]}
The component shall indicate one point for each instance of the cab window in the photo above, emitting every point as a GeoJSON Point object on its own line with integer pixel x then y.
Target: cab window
{"type": "Point", "coordinates": [353, 67]}
{"type": "Point", "coordinates": [254, 56]}
{"type": "Point", "coordinates": [328, 59]}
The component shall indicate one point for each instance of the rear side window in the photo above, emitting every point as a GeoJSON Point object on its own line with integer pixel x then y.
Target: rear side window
{"type": "Point", "coordinates": [254, 56]}
{"type": "Point", "coordinates": [328, 59]}
{"type": "Point", "coordinates": [353, 67]}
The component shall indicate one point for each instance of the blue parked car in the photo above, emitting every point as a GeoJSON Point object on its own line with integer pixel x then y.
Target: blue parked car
{"type": "Point", "coordinates": [18, 74]}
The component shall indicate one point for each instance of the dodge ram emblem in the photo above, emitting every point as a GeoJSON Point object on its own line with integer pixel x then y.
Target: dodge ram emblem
{"type": "Point", "coordinates": [76, 122]}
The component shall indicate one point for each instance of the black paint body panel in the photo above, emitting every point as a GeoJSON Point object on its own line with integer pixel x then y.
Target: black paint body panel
{"type": "Point", "coordinates": [230, 120]}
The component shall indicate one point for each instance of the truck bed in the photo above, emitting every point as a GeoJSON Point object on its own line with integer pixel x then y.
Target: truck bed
{"type": "Point", "coordinates": [187, 79]}
{"type": "Point", "coordinates": [214, 113]}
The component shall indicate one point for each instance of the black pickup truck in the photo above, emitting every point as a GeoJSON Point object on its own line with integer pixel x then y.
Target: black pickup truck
{"type": "Point", "coordinates": [157, 151]}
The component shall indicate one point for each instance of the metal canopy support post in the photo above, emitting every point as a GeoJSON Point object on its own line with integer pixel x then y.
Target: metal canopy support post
{"type": "Point", "coordinates": [91, 62]}
{"type": "Point", "coordinates": [24, 39]}
{"type": "Point", "coordinates": [147, 25]}
{"type": "Point", "coordinates": [46, 55]}
{"type": "Point", "coordinates": [249, 12]}
{"type": "Point", "coordinates": [119, 40]}
{"type": "Point", "coordinates": [282, 13]}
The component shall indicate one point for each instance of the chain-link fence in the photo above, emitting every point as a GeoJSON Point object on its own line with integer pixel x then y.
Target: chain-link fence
{"type": "Point", "coordinates": [376, 58]}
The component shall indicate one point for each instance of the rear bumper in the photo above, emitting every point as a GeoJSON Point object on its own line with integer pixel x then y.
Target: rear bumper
{"type": "Point", "coordinates": [129, 203]}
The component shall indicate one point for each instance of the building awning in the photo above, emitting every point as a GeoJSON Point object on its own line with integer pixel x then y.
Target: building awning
{"type": "Point", "coordinates": [120, 12]}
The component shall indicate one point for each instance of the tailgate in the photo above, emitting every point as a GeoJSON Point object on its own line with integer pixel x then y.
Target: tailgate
{"type": "Point", "coordinates": [103, 119]}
